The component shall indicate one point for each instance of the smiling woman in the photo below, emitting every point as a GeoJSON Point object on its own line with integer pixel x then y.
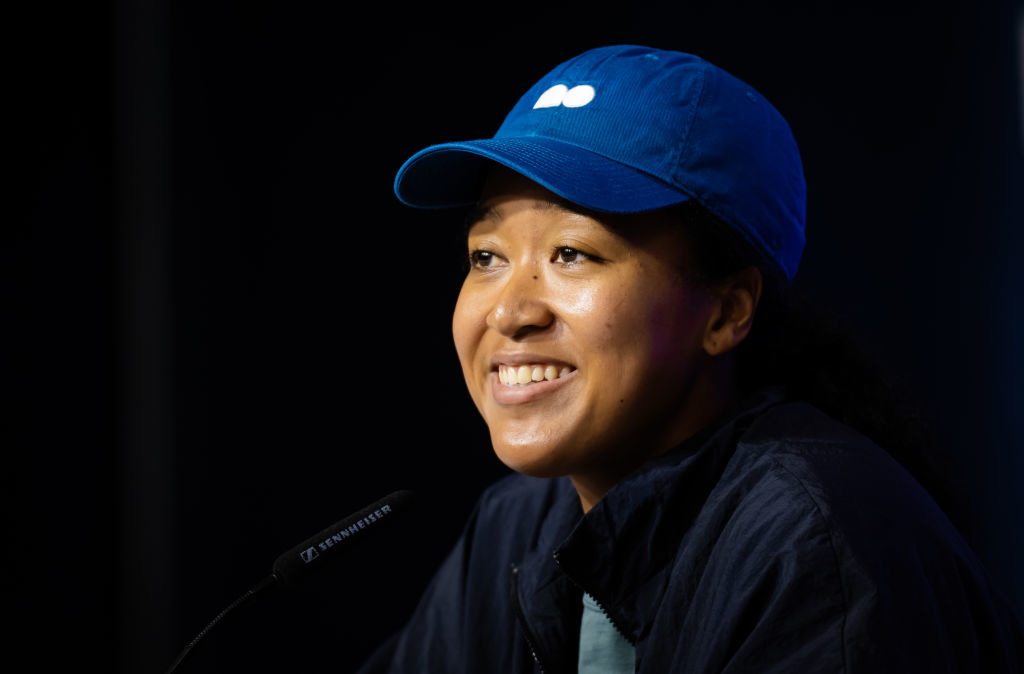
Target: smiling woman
{"type": "Point", "coordinates": [607, 312]}
{"type": "Point", "coordinates": [684, 501]}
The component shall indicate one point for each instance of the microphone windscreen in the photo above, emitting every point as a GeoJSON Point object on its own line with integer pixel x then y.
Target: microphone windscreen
{"type": "Point", "coordinates": [313, 553]}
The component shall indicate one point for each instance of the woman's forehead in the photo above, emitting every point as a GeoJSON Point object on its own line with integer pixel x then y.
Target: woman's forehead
{"type": "Point", "coordinates": [506, 192]}
{"type": "Point", "coordinates": [503, 186]}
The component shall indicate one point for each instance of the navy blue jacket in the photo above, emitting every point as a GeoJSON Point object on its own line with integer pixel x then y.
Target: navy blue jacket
{"type": "Point", "coordinates": [778, 541]}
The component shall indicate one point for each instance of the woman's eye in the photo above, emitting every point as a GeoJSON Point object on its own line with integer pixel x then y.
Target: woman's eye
{"type": "Point", "coordinates": [569, 255]}
{"type": "Point", "coordinates": [483, 259]}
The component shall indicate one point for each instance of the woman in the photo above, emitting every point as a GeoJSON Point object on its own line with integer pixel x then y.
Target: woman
{"type": "Point", "coordinates": [637, 219]}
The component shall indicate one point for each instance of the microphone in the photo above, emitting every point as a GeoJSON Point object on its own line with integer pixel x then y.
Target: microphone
{"type": "Point", "coordinates": [310, 555]}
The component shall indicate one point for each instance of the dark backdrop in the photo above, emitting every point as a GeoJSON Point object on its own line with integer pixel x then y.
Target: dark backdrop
{"type": "Point", "coordinates": [226, 333]}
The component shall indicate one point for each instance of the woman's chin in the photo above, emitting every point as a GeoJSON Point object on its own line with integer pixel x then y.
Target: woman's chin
{"type": "Point", "coordinates": [533, 459]}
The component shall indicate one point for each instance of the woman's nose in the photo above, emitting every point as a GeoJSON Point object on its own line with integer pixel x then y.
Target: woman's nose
{"type": "Point", "coordinates": [520, 307]}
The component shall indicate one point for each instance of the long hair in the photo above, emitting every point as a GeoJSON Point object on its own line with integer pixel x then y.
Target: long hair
{"type": "Point", "coordinates": [807, 351]}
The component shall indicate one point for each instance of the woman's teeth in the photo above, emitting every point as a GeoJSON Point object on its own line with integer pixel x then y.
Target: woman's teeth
{"type": "Point", "coordinates": [527, 374]}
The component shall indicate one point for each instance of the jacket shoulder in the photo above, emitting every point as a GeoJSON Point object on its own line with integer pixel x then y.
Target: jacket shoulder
{"type": "Point", "coordinates": [908, 584]}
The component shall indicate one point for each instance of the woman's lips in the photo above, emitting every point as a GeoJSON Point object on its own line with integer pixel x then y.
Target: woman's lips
{"type": "Point", "coordinates": [542, 380]}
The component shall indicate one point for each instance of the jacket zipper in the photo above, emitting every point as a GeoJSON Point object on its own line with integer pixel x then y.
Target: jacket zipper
{"type": "Point", "coordinates": [527, 634]}
{"type": "Point", "coordinates": [600, 604]}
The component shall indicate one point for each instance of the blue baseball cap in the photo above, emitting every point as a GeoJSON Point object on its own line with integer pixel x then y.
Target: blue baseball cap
{"type": "Point", "coordinates": [626, 129]}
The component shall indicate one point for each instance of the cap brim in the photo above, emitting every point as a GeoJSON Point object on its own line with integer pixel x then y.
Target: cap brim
{"type": "Point", "coordinates": [451, 175]}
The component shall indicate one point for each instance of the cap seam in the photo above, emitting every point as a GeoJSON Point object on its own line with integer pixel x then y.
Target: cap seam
{"type": "Point", "coordinates": [677, 154]}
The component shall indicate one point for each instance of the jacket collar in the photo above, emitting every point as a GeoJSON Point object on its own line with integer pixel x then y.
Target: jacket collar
{"type": "Point", "coordinates": [621, 550]}
{"type": "Point", "coordinates": [548, 602]}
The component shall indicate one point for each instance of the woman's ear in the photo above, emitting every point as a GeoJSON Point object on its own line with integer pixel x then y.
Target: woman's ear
{"type": "Point", "coordinates": [732, 313]}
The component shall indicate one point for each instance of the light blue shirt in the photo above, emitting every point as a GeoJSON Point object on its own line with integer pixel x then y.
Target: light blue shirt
{"type": "Point", "coordinates": [602, 649]}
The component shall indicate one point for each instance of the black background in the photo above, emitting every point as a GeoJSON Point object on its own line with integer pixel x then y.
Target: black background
{"type": "Point", "coordinates": [225, 333]}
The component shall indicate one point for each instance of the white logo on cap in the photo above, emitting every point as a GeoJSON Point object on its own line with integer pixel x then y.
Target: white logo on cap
{"type": "Point", "coordinates": [560, 94]}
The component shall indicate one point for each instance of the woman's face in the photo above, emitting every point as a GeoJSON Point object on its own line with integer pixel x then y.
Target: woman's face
{"type": "Point", "coordinates": [579, 343]}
